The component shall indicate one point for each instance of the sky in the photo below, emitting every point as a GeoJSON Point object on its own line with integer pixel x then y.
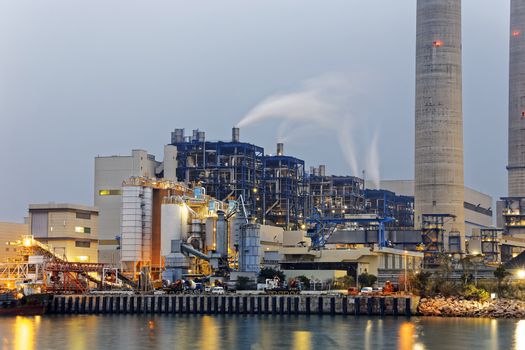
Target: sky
{"type": "Point", "coordinates": [101, 77]}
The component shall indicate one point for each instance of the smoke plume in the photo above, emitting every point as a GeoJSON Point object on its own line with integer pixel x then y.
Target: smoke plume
{"type": "Point", "coordinates": [320, 104]}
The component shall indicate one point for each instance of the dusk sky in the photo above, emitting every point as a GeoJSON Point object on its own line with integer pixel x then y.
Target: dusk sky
{"type": "Point", "coordinates": [85, 78]}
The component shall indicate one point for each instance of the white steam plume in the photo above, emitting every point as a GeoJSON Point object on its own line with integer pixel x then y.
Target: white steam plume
{"type": "Point", "coordinates": [320, 104]}
{"type": "Point", "coordinates": [372, 162]}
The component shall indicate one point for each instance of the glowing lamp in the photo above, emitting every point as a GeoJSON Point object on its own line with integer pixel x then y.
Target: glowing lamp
{"type": "Point", "coordinates": [438, 43]}
{"type": "Point", "coordinates": [27, 242]}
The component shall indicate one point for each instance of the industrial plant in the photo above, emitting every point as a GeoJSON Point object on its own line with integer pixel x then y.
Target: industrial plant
{"type": "Point", "coordinates": [215, 213]}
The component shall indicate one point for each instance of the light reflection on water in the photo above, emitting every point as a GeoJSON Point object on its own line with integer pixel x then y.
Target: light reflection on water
{"type": "Point", "coordinates": [257, 333]}
{"type": "Point", "coordinates": [520, 335]}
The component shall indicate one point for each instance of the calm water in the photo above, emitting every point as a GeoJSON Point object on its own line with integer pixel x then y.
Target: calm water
{"type": "Point", "coordinates": [257, 332]}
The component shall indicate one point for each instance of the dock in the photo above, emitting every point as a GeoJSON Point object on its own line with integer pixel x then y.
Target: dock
{"type": "Point", "coordinates": [233, 304]}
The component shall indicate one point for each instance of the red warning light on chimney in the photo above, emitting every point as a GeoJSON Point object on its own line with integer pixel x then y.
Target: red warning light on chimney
{"type": "Point", "coordinates": [438, 43]}
{"type": "Point", "coordinates": [516, 33]}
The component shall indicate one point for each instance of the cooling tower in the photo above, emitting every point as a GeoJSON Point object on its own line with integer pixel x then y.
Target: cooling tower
{"type": "Point", "coordinates": [439, 183]}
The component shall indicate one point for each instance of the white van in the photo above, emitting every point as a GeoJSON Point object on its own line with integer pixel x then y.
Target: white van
{"type": "Point", "coordinates": [217, 290]}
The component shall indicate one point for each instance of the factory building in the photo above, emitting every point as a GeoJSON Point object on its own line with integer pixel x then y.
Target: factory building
{"type": "Point", "coordinates": [342, 257]}
{"type": "Point", "coordinates": [284, 190]}
{"type": "Point", "coordinates": [334, 196]}
{"type": "Point", "coordinates": [11, 232]}
{"type": "Point", "coordinates": [110, 172]}
{"type": "Point", "coordinates": [439, 182]}
{"type": "Point", "coordinates": [70, 230]}
{"type": "Point", "coordinates": [227, 170]}
{"type": "Point", "coordinates": [172, 230]}
{"type": "Point", "coordinates": [477, 206]}
{"type": "Point", "coordinates": [386, 203]}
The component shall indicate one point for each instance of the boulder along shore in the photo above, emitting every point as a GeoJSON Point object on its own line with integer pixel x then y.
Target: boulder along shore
{"type": "Point", "coordinates": [460, 307]}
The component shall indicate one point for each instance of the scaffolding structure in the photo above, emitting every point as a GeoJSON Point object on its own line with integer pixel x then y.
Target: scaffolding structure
{"type": "Point", "coordinates": [386, 203]}
{"type": "Point", "coordinates": [490, 244]}
{"type": "Point", "coordinates": [433, 236]}
{"type": "Point", "coordinates": [227, 170]}
{"type": "Point", "coordinates": [334, 196]}
{"type": "Point", "coordinates": [284, 191]}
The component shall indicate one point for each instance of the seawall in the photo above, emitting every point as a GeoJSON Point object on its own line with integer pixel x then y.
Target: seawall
{"type": "Point", "coordinates": [233, 304]}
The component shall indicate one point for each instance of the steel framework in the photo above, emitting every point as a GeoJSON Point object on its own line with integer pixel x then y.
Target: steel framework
{"type": "Point", "coordinates": [283, 197]}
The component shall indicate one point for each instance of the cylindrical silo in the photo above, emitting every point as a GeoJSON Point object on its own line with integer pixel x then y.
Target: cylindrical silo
{"type": "Point", "coordinates": [222, 234]}
{"type": "Point", "coordinates": [170, 226]}
{"type": "Point", "coordinates": [439, 183]}
{"type": "Point", "coordinates": [250, 248]}
{"type": "Point", "coordinates": [516, 165]}
{"type": "Point", "coordinates": [147, 207]}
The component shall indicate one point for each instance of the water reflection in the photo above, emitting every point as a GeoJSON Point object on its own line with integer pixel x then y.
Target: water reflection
{"type": "Point", "coordinates": [520, 335]}
{"type": "Point", "coordinates": [406, 336]}
{"type": "Point", "coordinates": [25, 332]}
{"type": "Point", "coordinates": [257, 332]}
{"type": "Point", "coordinates": [302, 340]}
{"type": "Point", "coordinates": [210, 338]}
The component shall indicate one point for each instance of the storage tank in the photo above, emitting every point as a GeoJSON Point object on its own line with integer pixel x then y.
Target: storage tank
{"type": "Point", "coordinates": [147, 205]}
{"type": "Point", "coordinates": [210, 233]}
{"type": "Point", "coordinates": [250, 248]}
{"type": "Point", "coordinates": [170, 229]}
{"type": "Point", "coordinates": [222, 234]}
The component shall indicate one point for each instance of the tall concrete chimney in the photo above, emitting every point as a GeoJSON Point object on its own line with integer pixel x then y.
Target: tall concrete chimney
{"type": "Point", "coordinates": [439, 182]}
{"type": "Point", "coordinates": [516, 165]}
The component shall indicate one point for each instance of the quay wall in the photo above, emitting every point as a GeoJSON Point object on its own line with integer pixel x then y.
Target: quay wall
{"type": "Point", "coordinates": [233, 304]}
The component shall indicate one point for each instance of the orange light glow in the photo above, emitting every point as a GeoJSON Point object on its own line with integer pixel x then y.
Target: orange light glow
{"type": "Point", "coordinates": [438, 43]}
{"type": "Point", "coordinates": [516, 33]}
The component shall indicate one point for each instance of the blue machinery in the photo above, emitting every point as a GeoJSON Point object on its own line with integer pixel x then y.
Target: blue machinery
{"type": "Point", "coordinates": [324, 227]}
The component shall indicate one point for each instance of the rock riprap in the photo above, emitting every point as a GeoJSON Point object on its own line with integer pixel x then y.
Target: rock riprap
{"type": "Point", "coordinates": [460, 307]}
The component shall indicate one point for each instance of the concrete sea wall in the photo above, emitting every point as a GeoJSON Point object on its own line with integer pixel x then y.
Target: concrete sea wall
{"type": "Point", "coordinates": [233, 304]}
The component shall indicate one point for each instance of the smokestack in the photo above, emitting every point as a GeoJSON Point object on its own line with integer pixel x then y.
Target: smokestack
{"type": "Point", "coordinates": [236, 135]}
{"type": "Point", "coordinates": [195, 136]}
{"type": "Point", "coordinates": [280, 149]}
{"type": "Point", "coordinates": [177, 136]}
{"type": "Point", "coordinates": [322, 170]}
{"type": "Point", "coordinates": [439, 183]}
{"type": "Point", "coordinates": [201, 136]}
{"type": "Point", "coordinates": [516, 164]}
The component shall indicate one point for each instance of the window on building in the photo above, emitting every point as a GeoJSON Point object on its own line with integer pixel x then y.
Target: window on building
{"type": "Point", "coordinates": [82, 244]}
{"type": "Point", "coordinates": [83, 215]}
{"type": "Point", "coordinates": [80, 229]}
{"type": "Point", "coordinates": [109, 192]}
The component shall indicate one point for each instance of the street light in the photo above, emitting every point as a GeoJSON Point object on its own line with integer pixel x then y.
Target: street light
{"type": "Point", "coordinates": [521, 274]}
{"type": "Point", "coordinates": [406, 259]}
